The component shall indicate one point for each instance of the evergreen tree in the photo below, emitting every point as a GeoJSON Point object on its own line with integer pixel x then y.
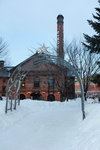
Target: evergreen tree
{"type": "Point", "coordinates": [93, 42]}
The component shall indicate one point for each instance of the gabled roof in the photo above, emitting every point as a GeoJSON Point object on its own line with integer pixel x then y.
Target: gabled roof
{"type": "Point", "coordinates": [23, 62]}
{"type": "Point", "coordinates": [37, 60]}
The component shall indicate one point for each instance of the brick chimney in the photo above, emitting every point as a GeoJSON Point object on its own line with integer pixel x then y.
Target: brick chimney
{"type": "Point", "coordinates": [60, 36]}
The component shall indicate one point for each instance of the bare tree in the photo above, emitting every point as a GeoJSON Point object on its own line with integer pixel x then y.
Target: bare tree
{"type": "Point", "coordinates": [3, 51]}
{"type": "Point", "coordinates": [83, 61]}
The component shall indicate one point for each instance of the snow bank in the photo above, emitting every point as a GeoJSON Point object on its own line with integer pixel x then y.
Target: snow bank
{"type": "Point", "coordinates": [39, 125]}
{"type": "Point", "coordinates": [88, 131]}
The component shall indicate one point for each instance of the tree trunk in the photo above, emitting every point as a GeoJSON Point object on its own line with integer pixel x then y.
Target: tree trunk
{"type": "Point", "coordinates": [85, 96]}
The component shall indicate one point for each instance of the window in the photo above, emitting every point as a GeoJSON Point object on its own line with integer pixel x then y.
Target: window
{"type": "Point", "coordinates": [3, 89]}
{"type": "Point", "coordinates": [51, 82]}
{"type": "Point", "coordinates": [36, 83]}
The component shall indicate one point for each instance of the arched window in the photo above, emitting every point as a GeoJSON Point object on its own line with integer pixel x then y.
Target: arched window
{"type": "Point", "coordinates": [22, 96]}
{"type": "Point", "coordinates": [36, 82]}
{"type": "Point", "coordinates": [51, 97]}
{"type": "Point", "coordinates": [51, 82]}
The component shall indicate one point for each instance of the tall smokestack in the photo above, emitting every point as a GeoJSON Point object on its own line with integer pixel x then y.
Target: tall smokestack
{"type": "Point", "coordinates": [60, 37]}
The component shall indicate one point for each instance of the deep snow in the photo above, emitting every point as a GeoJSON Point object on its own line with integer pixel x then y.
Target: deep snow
{"type": "Point", "coordinates": [39, 125]}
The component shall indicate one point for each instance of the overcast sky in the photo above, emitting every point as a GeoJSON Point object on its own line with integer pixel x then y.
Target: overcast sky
{"type": "Point", "coordinates": [27, 23]}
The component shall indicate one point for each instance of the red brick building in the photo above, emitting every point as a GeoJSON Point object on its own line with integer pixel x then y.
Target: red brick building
{"type": "Point", "coordinates": [47, 81]}
{"type": "Point", "coordinates": [4, 76]}
{"type": "Point", "coordinates": [93, 90]}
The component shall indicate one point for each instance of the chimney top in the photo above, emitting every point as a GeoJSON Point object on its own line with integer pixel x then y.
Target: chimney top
{"type": "Point", "coordinates": [60, 16]}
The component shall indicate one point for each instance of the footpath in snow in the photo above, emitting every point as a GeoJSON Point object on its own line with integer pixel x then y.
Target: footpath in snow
{"type": "Point", "coordinates": [39, 125]}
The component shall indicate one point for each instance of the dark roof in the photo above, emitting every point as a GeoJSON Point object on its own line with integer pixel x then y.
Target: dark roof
{"type": "Point", "coordinates": [4, 72]}
{"type": "Point", "coordinates": [70, 74]}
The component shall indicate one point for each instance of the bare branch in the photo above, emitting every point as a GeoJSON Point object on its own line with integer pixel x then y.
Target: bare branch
{"type": "Point", "coordinates": [83, 61]}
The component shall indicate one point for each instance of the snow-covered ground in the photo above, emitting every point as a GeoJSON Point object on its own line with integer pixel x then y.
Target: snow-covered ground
{"type": "Point", "coordinates": [39, 125]}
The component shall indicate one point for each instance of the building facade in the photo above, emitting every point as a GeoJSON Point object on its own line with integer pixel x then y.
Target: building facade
{"type": "Point", "coordinates": [93, 90]}
{"type": "Point", "coordinates": [45, 82]}
{"type": "Point", "coordinates": [4, 77]}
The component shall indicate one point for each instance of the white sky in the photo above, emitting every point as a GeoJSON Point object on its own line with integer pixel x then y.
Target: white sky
{"type": "Point", "coordinates": [27, 23]}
